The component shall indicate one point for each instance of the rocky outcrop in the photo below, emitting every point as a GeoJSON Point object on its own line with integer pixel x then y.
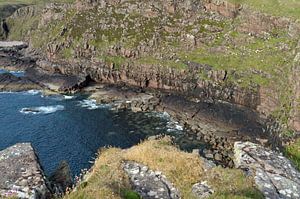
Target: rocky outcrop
{"type": "Point", "coordinates": [12, 57]}
{"type": "Point", "coordinates": [202, 190]}
{"type": "Point", "coordinates": [9, 82]}
{"type": "Point", "coordinates": [57, 81]}
{"type": "Point", "coordinates": [149, 184]}
{"type": "Point", "coordinates": [12, 45]}
{"type": "Point", "coordinates": [274, 175]}
{"type": "Point", "coordinates": [61, 179]}
{"type": "Point", "coordinates": [21, 173]}
{"type": "Point", "coordinates": [224, 8]}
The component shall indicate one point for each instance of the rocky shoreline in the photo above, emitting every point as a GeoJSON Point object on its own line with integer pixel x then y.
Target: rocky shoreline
{"type": "Point", "coordinates": [215, 122]}
{"type": "Point", "coordinates": [144, 57]}
{"type": "Point", "coordinates": [218, 123]}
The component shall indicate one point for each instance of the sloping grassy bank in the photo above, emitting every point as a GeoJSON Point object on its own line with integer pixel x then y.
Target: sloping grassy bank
{"type": "Point", "coordinates": [108, 180]}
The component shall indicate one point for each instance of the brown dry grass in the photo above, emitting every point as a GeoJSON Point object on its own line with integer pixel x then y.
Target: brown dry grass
{"type": "Point", "coordinates": [108, 180]}
{"type": "Point", "coordinates": [182, 169]}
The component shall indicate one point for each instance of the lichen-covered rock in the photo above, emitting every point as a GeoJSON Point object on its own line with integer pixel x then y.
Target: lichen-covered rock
{"type": "Point", "coordinates": [274, 175]}
{"type": "Point", "coordinates": [202, 190]}
{"type": "Point", "coordinates": [150, 184]}
{"type": "Point", "coordinates": [13, 44]}
{"type": "Point", "coordinates": [21, 173]}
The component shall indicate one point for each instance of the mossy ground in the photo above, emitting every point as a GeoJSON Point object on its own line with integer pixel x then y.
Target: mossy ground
{"type": "Point", "coordinates": [10, 2]}
{"type": "Point", "coordinates": [286, 8]}
{"type": "Point", "coordinates": [108, 180]}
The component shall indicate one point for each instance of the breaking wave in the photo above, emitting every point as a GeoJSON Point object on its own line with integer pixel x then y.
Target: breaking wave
{"type": "Point", "coordinates": [42, 109]}
{"type": "Point", "coordinates": [91, 104]}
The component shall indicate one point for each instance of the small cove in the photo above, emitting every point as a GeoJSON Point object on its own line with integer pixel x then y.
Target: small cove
{"type": "Point", "coordinates": [73, 128]}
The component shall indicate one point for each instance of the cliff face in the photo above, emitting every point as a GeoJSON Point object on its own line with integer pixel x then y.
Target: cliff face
{"type": "Point", "coordinates": [203, 49]}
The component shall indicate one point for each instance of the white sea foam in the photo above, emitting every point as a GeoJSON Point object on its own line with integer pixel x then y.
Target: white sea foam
{"type": "Point", "coordinates": [172, 126]}
{"type": "Point", "coordinates": [68, 97]}
{"type": "Point", "coordinates": [15, 73]}
{"type": "Point", "coordinates": [42, 109]}
{"type": "Point", "coordinates": [163, 115]}
{"type": "Point", "coordinates": [58, 97]}
{"type": "Point", "coordinates": [32, 92]}
{"type": "Point", "coordinates": [91, 104]}
{"type": "Point", "coordinates": [29, 92]}
{"type": "Point", "coordinates": [6, 92]}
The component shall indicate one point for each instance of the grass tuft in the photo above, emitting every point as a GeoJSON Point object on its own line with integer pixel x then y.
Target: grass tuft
{"type": "Point", "coordinates": [293, 153]}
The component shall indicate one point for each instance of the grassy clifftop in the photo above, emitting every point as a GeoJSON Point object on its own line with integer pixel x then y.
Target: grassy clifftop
{"type": "Point", "coordinates": [108, 180]}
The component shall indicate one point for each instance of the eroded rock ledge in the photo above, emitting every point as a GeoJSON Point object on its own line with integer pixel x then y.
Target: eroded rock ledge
{"type": "Point", "coordinates": [21, 173]}
{"type": "Point", "coordinates": [150, 184]}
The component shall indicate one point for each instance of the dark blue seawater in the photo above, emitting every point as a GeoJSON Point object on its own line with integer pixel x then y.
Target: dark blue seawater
{"type": "Point", "coordinates": [15, 73]}
{"type": "Point", "coordinates": [72, 129]}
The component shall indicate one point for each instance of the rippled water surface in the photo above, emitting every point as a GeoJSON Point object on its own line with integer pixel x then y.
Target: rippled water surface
{"type": "Point", "coordinates": [72, 128]}
{"type": "Point", "coordinates": [16, 73]}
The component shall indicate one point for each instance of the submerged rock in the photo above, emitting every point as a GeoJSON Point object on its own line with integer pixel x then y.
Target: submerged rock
{"type": "Point", "coordinates": [21, 173]}
{"type": "Point", "coordinates": [274, 175]}
{"type": "Point", "coordinates": [150, 184]}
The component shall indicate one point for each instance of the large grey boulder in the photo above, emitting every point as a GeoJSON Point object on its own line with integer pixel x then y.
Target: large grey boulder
{"type": "Point", "coordinates": [275, 176]}
{"type": "Point", "coordinates": [21, 173]}
{"type": "Point", "coordinates": [202, 190]}
{"type": "Point", "coordinates": [13, 44]}
{"type": "Point", "coordinates": [149, 184]}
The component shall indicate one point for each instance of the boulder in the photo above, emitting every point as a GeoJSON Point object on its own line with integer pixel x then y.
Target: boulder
{"type": "Point", "coordinates": [275, 176]}
{"type": "Point", "coordinates": [13, 44]}
{"type": "Point", "coordinates": [149, 184]}
{"type": "Point", "coordinates": [202, 190]}
{"type": "Point", "coordinates": [21, 173]}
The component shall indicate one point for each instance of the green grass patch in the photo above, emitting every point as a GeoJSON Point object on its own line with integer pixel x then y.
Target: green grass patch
{"type": "Point", "coordinates": [286, 8]}
{"type": "Point", "coordinates": [164, 63]}
{"type": "Point", "coordinates": [117, 61]}
{"type": "Point", "coordinates": [293, 153]}
{"type": "Point", "coordinates": [259, 61]}
{"type": "Point", "coordinates": [129, 194]}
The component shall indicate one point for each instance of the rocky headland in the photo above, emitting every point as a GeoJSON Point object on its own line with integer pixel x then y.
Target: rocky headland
{"type": "Point", "coordinates": [225, 71]}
